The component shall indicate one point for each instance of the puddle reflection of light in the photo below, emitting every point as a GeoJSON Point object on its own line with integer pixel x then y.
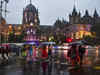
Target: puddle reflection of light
{"type": "Point", "coordinates": [97, 51]}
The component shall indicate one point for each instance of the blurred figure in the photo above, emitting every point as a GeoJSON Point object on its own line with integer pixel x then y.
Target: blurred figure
{"type": "Point", "coordinates": [50, 52]}
{"type": "Point", "coordinates": [44, 53]}
{"type": "Point", "coordinates": [29, 54]}
{"type": "Point", "coordinates": [73, 54]}
{"type": "Point", "coordinates": [34, 53]}
{"type": "Point", "coordinates": [6, 52]}
{"type": "Point", "coordinates": [1, 50]}
{"type": "Point", "coordinates": [44, 67]}
{"type": "Point", "coordinates": [50, 68]}
{"type": "Point", "coordinates": [81, 53]}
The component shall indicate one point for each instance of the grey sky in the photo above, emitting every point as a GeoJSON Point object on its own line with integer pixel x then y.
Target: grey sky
{"type": "Point", "coordinates": [49, 10]}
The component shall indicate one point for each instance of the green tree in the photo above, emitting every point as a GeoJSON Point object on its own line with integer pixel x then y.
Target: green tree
{"type": "Point", "coordinates": [20, 38]}
{"type": "Point", "coordinates": [2, 38]}
{"type": "Point", "coordinates": [90, 40]}
{"type": "Point", "coordinates": [11, 38]}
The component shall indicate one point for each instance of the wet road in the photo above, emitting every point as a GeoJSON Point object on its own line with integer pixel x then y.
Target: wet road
{"type": "Point", "coordinates": [18, 66]}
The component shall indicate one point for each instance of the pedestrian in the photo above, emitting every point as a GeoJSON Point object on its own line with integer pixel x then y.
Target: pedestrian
{"type": "Point", "coordinates": [44, 67]}
{"type": "Point", "coordinates": [3, 52]}
{"type": "Point", "coordinates": [34, 53]}
{"type": "Point", "coordinates": [72, 53]}
{"type": "Point", "coordinates": [29, 54]}
{"type": "Point", "coordinates": [44, 52]}
{"type": "Point", "coordinates": [81, 53]}
{"type": "Point", "coordinates": [50, 52]}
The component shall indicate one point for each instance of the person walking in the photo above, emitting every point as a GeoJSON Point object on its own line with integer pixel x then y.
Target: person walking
{"type": "Point", "coordinates": [50, 52]}
{"type": "Point", "coordinates": [73, 55]}
{"type": "Point", "coordinates": [81, 53]}
{"type": "Point", "coordinates": [44, 53]}
{"type": "Point", "coordinates": [34, 53]}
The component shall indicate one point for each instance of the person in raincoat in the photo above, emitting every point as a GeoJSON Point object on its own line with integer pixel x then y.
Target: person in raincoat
{"type": "Point", "coordinates": [73, 54]}
{"type": "Point", "coordinates": [44, 53]}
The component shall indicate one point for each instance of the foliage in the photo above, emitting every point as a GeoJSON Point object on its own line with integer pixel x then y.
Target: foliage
{"type": "Point", "coordinates": [2, 38]}
{"type": "Point", "coordinates": [90, 40]}
{"type": "Point", "coordinates": [96, 28]}
{"type": "Point", "coordinates": [11, 37]}
{"type": "Point", "coordinates": [20, 38]}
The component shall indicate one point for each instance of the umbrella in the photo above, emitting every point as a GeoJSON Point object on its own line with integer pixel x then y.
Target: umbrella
{"type": "Point", "coordinates": [48, 43]}
{"type": "Point", "coordinates": [77, 43]}
{"type": "Point", "coordinates": [31, 43]}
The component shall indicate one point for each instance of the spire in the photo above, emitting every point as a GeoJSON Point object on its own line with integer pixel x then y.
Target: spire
{"type": "Point", "coordinates": [95, 13]}
{"type": "Point", "coordinates": [74, 13]}
{"type": "Point", "coordinates": [86, 13]}
{"type": "Point", "coordinates": [30, 1]}
{"type": "Point", "coordinates": [79, 13]}
{"type": "Point", "coordinates": [74, 9]}
{"type": "Point", "coordinates": [37, 12]}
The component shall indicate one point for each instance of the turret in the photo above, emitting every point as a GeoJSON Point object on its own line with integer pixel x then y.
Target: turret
{"type": "Point", "coordinates": [95, 15]}
{"type": "Point", "coordinates": [74, 13]}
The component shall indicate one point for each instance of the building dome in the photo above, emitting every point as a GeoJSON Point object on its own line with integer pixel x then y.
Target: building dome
{"type": "Point", "coordinates": [30, 15]}
{"type": "Point", "coordinates": [30, 8]}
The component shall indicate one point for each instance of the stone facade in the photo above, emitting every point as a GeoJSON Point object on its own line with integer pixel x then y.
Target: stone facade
{"type": "Point", "coordinates": [76, 18]}
{"type": "Point", "coordinates": [31, 22]}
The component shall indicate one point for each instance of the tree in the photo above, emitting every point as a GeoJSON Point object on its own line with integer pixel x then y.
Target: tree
{"type": "Point", "coordinates": [20, 38]}
{"type": "Point", "coordinates": [2, 38]}
{"type": "Point", "coordinates": [90, 40]}
{"type": "Point", "coordinates": [11, 38]}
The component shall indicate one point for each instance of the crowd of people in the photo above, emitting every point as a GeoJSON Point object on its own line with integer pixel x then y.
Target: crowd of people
{"type": "Point", "coordinates": [34, 53]}
{"type": "Point", "coordinates": [76, 54]}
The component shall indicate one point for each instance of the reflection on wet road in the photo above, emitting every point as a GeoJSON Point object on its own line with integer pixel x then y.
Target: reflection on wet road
{"type": "Point", "coordinates": [21, 67]}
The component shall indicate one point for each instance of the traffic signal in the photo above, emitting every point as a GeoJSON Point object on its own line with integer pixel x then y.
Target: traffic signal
{"type": "Point", "coordinates": [69, 40]}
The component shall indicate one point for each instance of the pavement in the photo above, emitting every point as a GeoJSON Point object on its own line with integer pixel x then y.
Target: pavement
{"type": "Point", "coordinates": [18, 66]}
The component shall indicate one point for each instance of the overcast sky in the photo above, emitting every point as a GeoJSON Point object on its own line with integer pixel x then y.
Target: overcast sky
{"type": "Point", "coordinates": [49, 10]}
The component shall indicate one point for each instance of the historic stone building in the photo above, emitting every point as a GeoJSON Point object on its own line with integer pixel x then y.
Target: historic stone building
{"type": "Point", "coordinates": [76, 18]}
{"type": "Point", "coordinates": [34, 31]}
{"type": "Point", "coordinates": [30, 15]}
{"type": "Point", "coordinates": [30, 26]}
{"type": "Point", "coordinates": [80, 25]}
